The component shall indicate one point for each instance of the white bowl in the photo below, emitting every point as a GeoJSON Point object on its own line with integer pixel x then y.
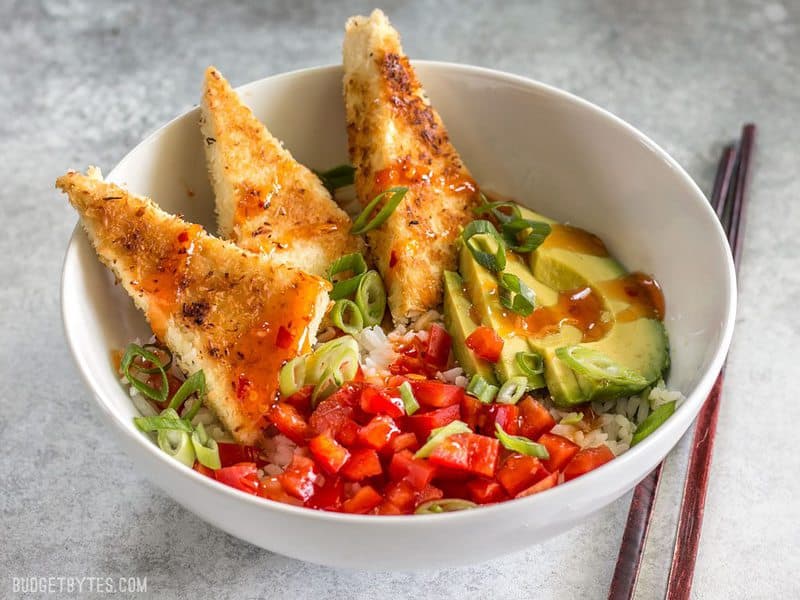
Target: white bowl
{"type": "Point", "coordinates": [548, 149]}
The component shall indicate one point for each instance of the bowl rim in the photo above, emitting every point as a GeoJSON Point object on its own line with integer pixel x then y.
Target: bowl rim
{"type": "Point", "coordinates": [562, 492]}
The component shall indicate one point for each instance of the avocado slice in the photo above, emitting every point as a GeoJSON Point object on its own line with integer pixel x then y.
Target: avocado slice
{"type": "Point", "coordinates": [482, 287]}
{"type": "Point", "coordinates": [459, 323]}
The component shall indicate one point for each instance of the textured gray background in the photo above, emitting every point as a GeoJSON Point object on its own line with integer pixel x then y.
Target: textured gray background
{"type": "Point", "coordinates": [82, 82]}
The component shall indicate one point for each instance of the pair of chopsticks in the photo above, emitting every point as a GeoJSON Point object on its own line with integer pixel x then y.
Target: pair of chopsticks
{"type": "Point", "coordinates": [728, 199]}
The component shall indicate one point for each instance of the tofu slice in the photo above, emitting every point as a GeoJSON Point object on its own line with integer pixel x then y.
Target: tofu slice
{"type": "Point", "coordinates": [232, 313]}
{"type": "Point", "coordinates": [267, 201]}
{"type": "Point", "coordinates": [396, 138]}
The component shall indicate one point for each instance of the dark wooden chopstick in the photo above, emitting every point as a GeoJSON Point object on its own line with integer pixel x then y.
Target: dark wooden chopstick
{"type": "Point", "coordinates": [634, 537]}
{"type": "Point", "coordinates": [690, 519]}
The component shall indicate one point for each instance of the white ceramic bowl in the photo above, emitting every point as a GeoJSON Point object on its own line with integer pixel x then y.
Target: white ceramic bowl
{"type": "Point", "coordinates": [548, 149]}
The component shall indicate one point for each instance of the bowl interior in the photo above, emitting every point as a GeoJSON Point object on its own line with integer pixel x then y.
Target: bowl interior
{"type": "Point", "coordinates": [547, 149]}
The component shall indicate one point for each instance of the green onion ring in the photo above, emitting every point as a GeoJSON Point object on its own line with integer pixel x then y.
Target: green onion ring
{"type": "Point", "coordinates": [206, 448]}
{"type": "Point", "coordinates": [292, 376]}
{"type": "Point", "coordinates": [347, 316]}
{"type": "Point", "coordinates": [330, 382]}
{"type": "Point", "coordinates": [195, 384]}
{"type": "Point", "coordinates": [371, 298]}
{"type": "Point", "coordinates": [512, 390]}
{"type": "Point", "coordinates": [363, 223]}
{"type": "Point", "coordinates": [599, 368]}
{"type": "Point", "coordinates": [168, 419]}
{"type": "Point", "coordinates": [530, 363]}
{"type": "Point", "coordinates": [493, 261]}
{"type": "Point", "coordinates": [337, 177]}
{"type": "Point", "coordinates": [443, 505]}
{"type": "Point", "coordinates": [653, 421]}
{"type": "Point", "coordinates": [164, 366]}
{"type": "Point", "coordinates": [518, 443]}
{"type": "Point", "coordinates": [572, 418]}
{"type": "Point", "coordinates": [407, 396]}
{"type": "Point", "coordinates": [354, 263]}
{"type": "Point", "coordinates": [439, 435]}
{"type": "Point", "coordinates": [346, 287]}
{"type": "Point", "coordinates": [482, 389]}
{"type": "Point", "coordinates": [493, 208]}
{"type": "Point", "coordinates": [537, 231]}
{"type": "Point", "coordinates": [178, 444]}
{"type": "Point", "coordinates": [133, 351]}
{"type": "Point", "coordinates": [340, 353]}
{"type": "Point", "coordinates": [515, 295]}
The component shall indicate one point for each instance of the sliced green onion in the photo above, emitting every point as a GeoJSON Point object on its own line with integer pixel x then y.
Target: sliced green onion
{"type": "Point", "coordinates": [178, 444]}
{"type": "Point", "coordinates": [530, 363]}
{"type": "Point", "coordinates": [340, 354]}
{"type": "Point", "coordinates": [363, 223]}
{"type": "Point", "coordinates": [331, 381]}
{"type": "Point", "coordinates": [481, 389]}
{"type": "Point", "coordinates": [653, 421]}
{"type": "Point", "coordinates": [345, 288]}
{"type": "Point", "coordinates": [444, 505]}
{"type": "Point", "coordinates": [131, 353]}
{"type": "Point", "coordinates": [292, 376]}
{"type": "Point", "coordinates": [156, 349]}
{"type": "Point", "coordinates": [515, 295]}
{"type": "Point", "coordinates": [572, 418]}
{"type": "Point", "coordinates": [337, 177]}
{"type": "Point", "coordinates": [518, 443]}
{"type": "Point", "coordinates": [439, 435]}
{"type": "Point", "coordinates": [168, 419]}
{"type": "Point", "coordinates": [535, 233]}
{"type": "Point", "coordinates": [206, 448]}
{"type": "Point", "coordinates": [195, 384]}
{"type": "Point", "coordinates": [512, 390]}
{"type": "Point", "coordinates": [353, 263]}
{"type": "Point", "coordinates": [407, 396]}
{"type": "Point", "coordinates": [598, 367]}
{"type": "Point", "coordinates": [493, 208]}
{"type": "Point", "coordinates": [347, 316]}
{"type": "Point", "coordinates": [371, 298]}
{"type": "Point", "coordinates": [492, 260]}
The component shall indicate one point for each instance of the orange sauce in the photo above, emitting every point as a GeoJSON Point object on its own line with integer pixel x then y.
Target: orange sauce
{"type": "Point", "coordinates": [574, 239]}
{"type": "Point", "coordinates": [642, 293]}
{"type": "Point", "coordinates": [404, 172]}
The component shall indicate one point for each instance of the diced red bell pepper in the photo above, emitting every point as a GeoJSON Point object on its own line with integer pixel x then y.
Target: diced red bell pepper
{"type": "Point", "coordinates": [540, 486]}
{"type": "Point", "coordinates": [328, 453]}
{"type": "Point", "coordinates": [363, 501]}
{"type": "Point", "coordinates": [485, 491]}
{"type": "Point", "coordinates": [363, 463]}
{"type": "Point", "coordinates": [243, 476]}
{"type": "Point", "coordinates": [348, 433]}
{"type": "Point", "coordinates": [587, 460]}
{"type": "Point", "coordinates": [423, 423]}
{"type": "Point", "coordinates": [429, 492]}
{"type": "Point", "coordinates": [301, 399]}
{"type": "Point", "coordinates": [388, 508]}
{"type": "Point", "coordinates": [416, 471]}
{"type": "Point", "coordinates": [436, 394]}
{"type": "Point", "coordinates": [468, 452]}
{"type": "Point", "coordinates": [334, 411]}
{"type": "Point", "coordinates": [289, 422]}
{"type": "Point", "coordinates": [329, 496]}
{"type": "Point", "coordinates": [471, 411]}
{"type": "Point", "coordinates": [505, 415]}
{"type": "Point", "coordinates": [535, 419]}
{"type": "Point", "coordinates": [284, 338]}
{"type": "Point", "coordinates": [378, 432]}
{"type": "Point", "coordinates": [299, 477]}
{"type": "Point", "coordinates": [520, 472]}
{"type": "Point", "coordinates": [271, 488]}
{"type": "Point", "coordinates": [439, 343]}
{"type": "Point", "coordinates": [230, 454]}
{"type": "Point", "coordinates": [375, 402]}
{"type": "Point", "coordinates": [403, 441]}
{"type": "Point", "coordinates": [485, 343]}
{"type": "Point", "coordinates": [401, 494]}
{"type": "Point", "coordinates": [561, 451]}
{"type": "Point", "coordinates": [203, 470]}
{"type": "Point", "coordinates": [405, 365]}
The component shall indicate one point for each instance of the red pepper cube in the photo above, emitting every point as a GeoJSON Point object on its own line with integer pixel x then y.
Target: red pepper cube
{"type": "Point", "coordinates": [328, 453]}
{"type": "Point", "coordinates": [535, 419]}
{"type": "Point", "coordinates": [299, 477]}
{"type": "Point", "coordinates": [348, 433]}
{"type": "Point", "coordinates": [540, 486]}
{"type": "Point", "coordinates": [401, 494]}
{"type": "Point", "coordinates": [301, 399]}
{"type": "Point", "coordinates": [428, 493]}
{"type": "Point", "coordinates": [486, 491]}
{"type": "Point", "coordinates": [471, 411]}
{"type": "Point", "coordinates": [363, 501]}
{"type": "Point", "coordinates": [363, 463]}
{"type": "Point", "coordinates": [231, 454]}
{"type": "Point", "coordinates": [467, 452]}
{"type": "Point", "coordinates": [388, 508]}
{"type": "Point", "coordinates": [242, 476]}
{"type": "Point", "coordinates": [378, 432]}
{"type": "Point", "coordinates": [403, 441]}
{"type": "Point", "coordinates": [436, 394]}
{"type": "Point", "coordinates": [505, 415]}
{"type": "Point", "coordinates": [423, 423]}
{"type": "Point", "coordinates": [414, 470]}
{"type": "Point", "coordinates": [376, 402]}
{"type": "Point", "coordinates": [561, 451]}
{"type": "Point", "coordinates": [437, 351]}
{"type": "Point", "coordinates": [272, 489]}
{"type": "Point", "coordinates": [289, 422]}
{"type": "Point", "coordinates": [284, 338]}
{"type": "Point", "coordinates": [587, 460]}
{"type": "Point", "coordinates": [485, 343]}
{"type": "Point", "coordinates": [332, 413]}
{"type": "Point", "coordinates": [520, 472]}
{"type": "Point", "coordinates": [329, 496]}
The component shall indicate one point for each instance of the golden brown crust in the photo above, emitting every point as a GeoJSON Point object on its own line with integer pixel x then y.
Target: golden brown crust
{"type": "Point", "coordinates": [397, 138]}
{"type": "Point", "coordinates": [267, 201]}
{"type": "Point", "coordinates": [227, 311]}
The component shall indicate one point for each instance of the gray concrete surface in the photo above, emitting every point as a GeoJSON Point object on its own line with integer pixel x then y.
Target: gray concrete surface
{"type": "Point", "coordinates": [84, 81]}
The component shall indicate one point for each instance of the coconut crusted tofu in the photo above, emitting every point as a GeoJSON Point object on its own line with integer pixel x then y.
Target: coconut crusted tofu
{"type": "Point", "coordinates": [232, 313]}
{"type": "Point", "coordinates": [266, 200]}
{"type": "Point", "coordinates": [397, 139]}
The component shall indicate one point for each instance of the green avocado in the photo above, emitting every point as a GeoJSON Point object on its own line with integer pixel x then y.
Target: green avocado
{"type": "Point", "coordinates": [459, 323]}
{"type": "Point", "coordinates": [481, 285]}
